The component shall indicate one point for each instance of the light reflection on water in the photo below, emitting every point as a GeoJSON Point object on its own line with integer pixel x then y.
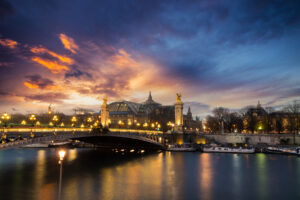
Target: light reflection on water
{"type": "Point", "coordinates": [205, 175]}
{"type": "Point", "coordinates": [89, 174]}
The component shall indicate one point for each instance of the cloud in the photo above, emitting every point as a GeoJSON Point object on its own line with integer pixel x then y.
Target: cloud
{"type": "Point", "coordinates": [5, 9]}
{"type": "Point", "coordinates": [8, 43]}
{"type": "Point", "coordinates": [53, 66]}
{"type": "Point", "coordinates": [51, 97]}
{"type": "Point", "coordinates": [62, 58]}
{"type": "Point", "coordinates": [76, 73]}
{"type": "Point", "coordinates": [38, 82]}
{"type": "Point", "coordinates": [68, 43]}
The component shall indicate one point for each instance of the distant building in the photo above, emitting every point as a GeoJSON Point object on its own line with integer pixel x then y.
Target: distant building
{"type": "Point", "coordinates": [148, 114]}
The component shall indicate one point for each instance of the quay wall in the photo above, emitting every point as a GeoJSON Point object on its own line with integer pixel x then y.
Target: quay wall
{"type": "Point", "coordinates": [234, 138]}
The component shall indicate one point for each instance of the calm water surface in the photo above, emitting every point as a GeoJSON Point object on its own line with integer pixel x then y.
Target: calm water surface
{"type": "Point", "coordinates": [89, 174]}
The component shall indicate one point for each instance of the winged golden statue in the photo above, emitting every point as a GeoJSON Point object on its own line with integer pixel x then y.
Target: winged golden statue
{"type": "Point", "coordinates": [178, 97]}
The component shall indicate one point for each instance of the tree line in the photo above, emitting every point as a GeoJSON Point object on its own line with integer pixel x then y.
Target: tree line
{"type": "Point", "coordinates": [254, 120]}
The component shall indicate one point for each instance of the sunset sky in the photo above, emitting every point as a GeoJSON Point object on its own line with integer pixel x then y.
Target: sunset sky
{"type": "Point", "coordinates": [71, 53]}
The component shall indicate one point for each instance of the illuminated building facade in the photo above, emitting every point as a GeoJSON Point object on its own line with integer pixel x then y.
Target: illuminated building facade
{"type": "Point", "coordinates": [149, 115]}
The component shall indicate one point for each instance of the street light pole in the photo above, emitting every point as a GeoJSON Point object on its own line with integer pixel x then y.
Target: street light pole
{"type": "Point", "coordinates": [61, 154]}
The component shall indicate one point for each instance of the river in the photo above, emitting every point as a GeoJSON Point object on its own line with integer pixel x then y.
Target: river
{"type": "Point", "coordinates": [31, 174]}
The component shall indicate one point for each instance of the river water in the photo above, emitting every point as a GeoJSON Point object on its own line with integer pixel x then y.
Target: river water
{"type": "Point", "coordinates": [29, 174]}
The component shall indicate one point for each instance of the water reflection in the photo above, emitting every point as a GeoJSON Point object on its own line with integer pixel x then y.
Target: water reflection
{"type": "Point", "coordinates": [237, 175]}
{"type": "Point", "coordinates": [206, 176]}
{"type": "Point", "coordinates": [71, 155]}
{"type": "Point", "coordinates": [89, 174]}
{"type": "Point", "coordinates": [262, 175]}
{"type": "Point", "coordinates": [39, 172]}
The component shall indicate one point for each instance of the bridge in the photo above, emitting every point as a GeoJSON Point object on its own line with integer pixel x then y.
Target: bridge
{"type": "Point", "coordinates": [115, 139]}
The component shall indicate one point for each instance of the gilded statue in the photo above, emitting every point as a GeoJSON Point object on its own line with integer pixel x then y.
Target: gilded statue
{"type": "Point", "coordinates": [105, 100]}
{"type": "Point", "coordinates": [178, 97]}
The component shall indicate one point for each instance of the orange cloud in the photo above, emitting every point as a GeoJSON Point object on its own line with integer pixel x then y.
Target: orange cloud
{"type": "Point", "coordinates": [36, 86]}
{"type": "Point", "coordinates": [53, 66]}
{"type": "Point", "coordinates": [68, 43]}
{"type": "Point", "coordinates": [62, 58]}
{"type": "Point", "coordinates": [8, 43]}
{"type": "Point", "coordinates": [123, 59]}
{"type": "Point", "coordinates": [30, 85]}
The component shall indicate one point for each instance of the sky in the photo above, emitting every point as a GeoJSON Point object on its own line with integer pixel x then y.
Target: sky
{"type": "Point", "coordinates": [215, 53]}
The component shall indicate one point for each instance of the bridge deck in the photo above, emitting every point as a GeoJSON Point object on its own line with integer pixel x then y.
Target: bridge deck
{"type": "Point", "coordinates": [129, 135]}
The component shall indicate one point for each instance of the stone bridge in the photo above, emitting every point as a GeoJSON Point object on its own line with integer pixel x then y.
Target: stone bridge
{"type": "Point", "coordinates": [126, 140]}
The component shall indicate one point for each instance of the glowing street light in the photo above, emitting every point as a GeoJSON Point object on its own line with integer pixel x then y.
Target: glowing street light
{"type": "Point", "coordinates": [145, 125]}
{"type": "Point", "coordinates": [55, 119]}
{"type": "Point", "coordinates": [89, 120]}
{"type": "Point", "coordinates": [61, 155]}
{"type": "Point", "coordinates": [73, 120]}
{"type": "Point", "coordinates": [23, 122]}
{"type": "Point", "coordinates": [5, 117]}
{"type": "Point", "coordinates": [32, 118]}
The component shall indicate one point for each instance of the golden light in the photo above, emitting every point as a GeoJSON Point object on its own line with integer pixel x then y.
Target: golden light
{"type": "Point", "coordinates": [50, 124]}
{"type": "Point", "coordinates": [129, 123]}
{"type": "Point", "coordinates": [61, 154]}
{"type": "Point", "coordinates": [82, 125]}
{"type": "Point", "coordinates": [55, 118]}
{"type": "Point", "coordinates": [5, 116]}
{"type": "Point", "coordinates": [73, 119]}
{"type": "Point", "coordinates": [138, 124]}
{"type": "Point", "coordinates": [152, 125]}
{"type": "Point", "coordinates": [23, 122]}
{"type": "Point", "coordinates": [62, 124]}
{"type": "Point", "coordinates": [120, 122]}
{"type": "Point", "coordinates": [96, 124]}
{"type": "Point", "coordinates": [109, 121]}
{"type": "Point", "coordinates": [158, 125]}
{"type": "Point", "coordinates": [32, 117]}
{"type": "Point", "coordinates": [89, 119]}
{"type": "Point", "coordinates": [38, 123]}
{"type": "Point", "coordinates": [145, 124]}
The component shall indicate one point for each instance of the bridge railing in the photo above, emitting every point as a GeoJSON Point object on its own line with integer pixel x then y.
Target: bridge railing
{"type": "Point", "coordinates": [146, 136]}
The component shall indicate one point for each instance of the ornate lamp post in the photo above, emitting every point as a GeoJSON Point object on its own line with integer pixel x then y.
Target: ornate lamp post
{"type": "Point", "coordinates": [61, 154]}
{"type": "Point", "coordinates": [89, 121]}
{"type": "Point", "coordinates": [32, 118]}
{"type": "Point", "coordinates": [55, 120]}
{"type": "Point", "coordinates": [5, 118]}
{"type": "Point", "coordinates": [73, 120]}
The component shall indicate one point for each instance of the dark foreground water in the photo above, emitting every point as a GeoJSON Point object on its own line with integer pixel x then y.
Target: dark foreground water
{"type": "Point", "coordinates": [89, 174]}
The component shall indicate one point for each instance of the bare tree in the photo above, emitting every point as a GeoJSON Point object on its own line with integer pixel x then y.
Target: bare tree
{"type": "Point", "coordinates": [222, 115]}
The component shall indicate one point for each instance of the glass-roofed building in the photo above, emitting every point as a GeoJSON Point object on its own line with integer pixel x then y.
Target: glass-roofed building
{"type": "Point", "coordinates": [149, 114]}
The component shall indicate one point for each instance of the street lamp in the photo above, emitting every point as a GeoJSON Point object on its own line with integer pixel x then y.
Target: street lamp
{"type": "Point", "coordinates": [32, 118]}
{"type": "Point", "coordinates": [73, 120]}
{"type": "Point", "coordinates": [61, 154]}
{"type": "Point", "coordinates": [55, 119]}
{"type": "Point", "coordinates": [5, 117]}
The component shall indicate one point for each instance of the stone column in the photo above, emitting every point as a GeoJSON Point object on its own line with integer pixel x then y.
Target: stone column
{"type": "Point", "coordinates": [104, 113]}
{"type": "Point", "coordinates": [178, 126]}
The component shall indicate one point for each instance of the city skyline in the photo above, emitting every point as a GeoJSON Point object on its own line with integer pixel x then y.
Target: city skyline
{"type": "Point", "coordinates": [215, 53]}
